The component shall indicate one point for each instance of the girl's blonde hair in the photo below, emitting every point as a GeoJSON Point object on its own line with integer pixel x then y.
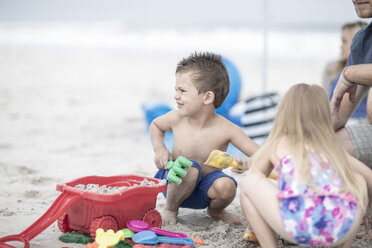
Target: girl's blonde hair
{"type": "Point", "coordinates": [304, 118]}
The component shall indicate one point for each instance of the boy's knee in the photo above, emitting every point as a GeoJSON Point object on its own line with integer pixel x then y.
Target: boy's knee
{"type": "Point", "coordinates": [191, 174]}
{"type": "Point", "coordinates": [223, 188]}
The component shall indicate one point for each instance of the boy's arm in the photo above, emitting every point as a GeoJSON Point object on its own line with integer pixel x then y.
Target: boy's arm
{"type": "Point", "coordinates": [242, 142]}
{"type": "Point", "coordinates": [158, 127]}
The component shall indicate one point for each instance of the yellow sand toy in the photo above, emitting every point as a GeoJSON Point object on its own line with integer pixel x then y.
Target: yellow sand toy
{"type": "Point", "coordinates": [222, 160]}
{"type": "Point", "coordinates": [251, 237]}
{"type": "Point", "coordinates": [108, 238]}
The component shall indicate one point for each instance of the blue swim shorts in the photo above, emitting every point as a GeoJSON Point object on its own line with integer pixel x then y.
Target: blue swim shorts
{"type": "Point", "coordinates": [199, 198]}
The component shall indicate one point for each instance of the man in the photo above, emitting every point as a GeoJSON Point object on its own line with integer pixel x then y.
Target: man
{"type": "Point", "coordinates": [356, 81]}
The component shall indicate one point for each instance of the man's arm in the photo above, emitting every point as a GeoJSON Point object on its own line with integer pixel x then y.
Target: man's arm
{"type": "Point", "coordinates": [360, 74]}
{"type": "Point", "coordinates": [347, 107]}
{"type": "Point", "coordinates": [356, 81]}
{"type": "Point", "coordinates": [369, 106]}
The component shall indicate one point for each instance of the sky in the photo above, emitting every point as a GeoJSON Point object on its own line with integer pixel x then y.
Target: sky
{"type": "Point", "coordinates": [191, 13]}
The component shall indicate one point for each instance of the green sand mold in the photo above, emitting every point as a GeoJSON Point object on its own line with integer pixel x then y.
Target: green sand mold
{"type": "Point", "coordinates": [176, 171]}
{"type": "Point", "coordinates": [75, 237]}
{"type": "Point", "coordinates": [123, 244]}
{"type": "Point", "coordinates": [127, 233]}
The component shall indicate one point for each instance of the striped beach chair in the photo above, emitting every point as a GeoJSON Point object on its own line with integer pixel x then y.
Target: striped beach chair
{"type": "Point", "coordinates": [258, 116]}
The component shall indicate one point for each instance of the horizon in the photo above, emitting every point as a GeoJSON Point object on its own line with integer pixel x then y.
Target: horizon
{"type": "Point", "coordinates": [140, 14]}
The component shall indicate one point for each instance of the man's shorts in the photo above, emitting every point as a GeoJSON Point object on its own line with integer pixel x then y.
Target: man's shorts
{"type": "Point", "coordinates": [199, 198]}
{"type": "Point", "coordinates": [361, 137]}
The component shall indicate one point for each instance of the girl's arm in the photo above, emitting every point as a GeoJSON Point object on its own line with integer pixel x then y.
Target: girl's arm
{"type": "Point", "coordinates": [264, 164]}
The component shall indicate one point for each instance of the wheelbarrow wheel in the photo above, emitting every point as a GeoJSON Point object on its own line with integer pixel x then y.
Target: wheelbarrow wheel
{"type": "Point", "coordinates": [153, 218]}
{"type": "Point", "coordinates": [104, 222]}
{"type": "Point", "coordinates": [63, 223]}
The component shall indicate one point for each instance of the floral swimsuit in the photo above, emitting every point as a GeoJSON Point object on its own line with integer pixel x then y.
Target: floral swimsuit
{"type": "Point", "coordinates": [314, 218]}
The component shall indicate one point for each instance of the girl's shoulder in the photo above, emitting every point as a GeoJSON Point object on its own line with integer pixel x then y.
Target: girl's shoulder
{"type": "Point", "coordinates": [280, 150]}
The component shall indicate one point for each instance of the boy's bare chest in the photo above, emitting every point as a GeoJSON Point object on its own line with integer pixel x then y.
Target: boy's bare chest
{"type": "Point", "coordinates": [197, 145]}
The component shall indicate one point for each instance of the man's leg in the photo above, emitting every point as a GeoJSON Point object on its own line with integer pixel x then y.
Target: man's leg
{"type": "Point", "coordinates": [344, 139]}
{"type": "Point", "coordinates": [360, 137]}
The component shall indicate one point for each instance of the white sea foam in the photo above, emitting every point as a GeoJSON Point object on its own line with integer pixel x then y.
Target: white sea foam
{"type": "Point", "coordinates": [281, 44]}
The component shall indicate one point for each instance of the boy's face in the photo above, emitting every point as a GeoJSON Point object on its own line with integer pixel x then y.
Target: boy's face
{"type": "Point", "coordinates": [187, 98]}
{"type": "Point", "coordinates": [347, 37]}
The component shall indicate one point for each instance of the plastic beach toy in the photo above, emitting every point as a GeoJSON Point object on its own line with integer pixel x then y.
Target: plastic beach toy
{"type": "Point", "coordinates": [108, 238]}
{"type": "Point", "coordinates": [85, 211]}
{"type": "Point", "coordinates": [75, 237]}
{"type": "Point", "coordinates": [162, 245]}
{"type": "Point", "coordinates": [139, 226]}
{"type": "Point", "coordinates": [128, 233]}
{"type": "Point", "coordinates": [150, 238]}
{"type": "Point", "coordinates": [222, 160]}
{"type": "Point", "coordinates": [176, 172]}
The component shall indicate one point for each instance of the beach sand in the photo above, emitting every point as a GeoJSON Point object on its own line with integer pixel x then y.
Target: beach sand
{"type": "Point", "coordinates": [66, 115]}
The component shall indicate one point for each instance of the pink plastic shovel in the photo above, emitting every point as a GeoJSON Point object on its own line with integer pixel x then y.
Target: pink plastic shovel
{"type": "Point", "coordinates": [139, 226]}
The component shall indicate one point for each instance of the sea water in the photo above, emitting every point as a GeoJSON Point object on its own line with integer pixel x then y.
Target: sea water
{"type": "Point", "coordinates": [293, 56]}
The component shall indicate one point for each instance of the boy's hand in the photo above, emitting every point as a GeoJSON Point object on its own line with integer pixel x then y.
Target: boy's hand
{"type": "Point", "coordinates": [245, 162]}
{"type": "Point", "coordinates": [162, 157]}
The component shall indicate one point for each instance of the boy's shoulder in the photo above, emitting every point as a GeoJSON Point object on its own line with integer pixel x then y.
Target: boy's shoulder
{"type": "Point", "coordinates": [223, 124]}
{"type": "Point", "coordinates": [220, 120]}
{"type": "Point", "coordinates": [173, 116]}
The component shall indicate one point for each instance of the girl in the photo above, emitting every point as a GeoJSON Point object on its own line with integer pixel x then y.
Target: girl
{"type": "Point", "coordinates": [319, 199]}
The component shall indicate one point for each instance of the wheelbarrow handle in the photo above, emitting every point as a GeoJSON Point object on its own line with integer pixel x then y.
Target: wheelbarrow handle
{"type": "Point", "coordinates": [59, 207]}
{"type": "Point", "coordinates": [16, 237]}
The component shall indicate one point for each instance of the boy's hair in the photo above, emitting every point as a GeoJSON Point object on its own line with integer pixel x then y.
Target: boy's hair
{"type": "Point", "coordinates": [304, 118]}
{"type": "Point", "coordinates": [354, 26]}
{"type": "Point", "coordinates": [209, 74]}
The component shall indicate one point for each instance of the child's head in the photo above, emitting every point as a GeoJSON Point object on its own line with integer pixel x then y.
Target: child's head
{"type": "Point", "coordinates": [304, 119]}
{"type": "Point", "coordinates": [347, 35]}
{"type": "Point", "coordinates": [208, 74]}
{"type": "Point", "coordinates": [304, 113]}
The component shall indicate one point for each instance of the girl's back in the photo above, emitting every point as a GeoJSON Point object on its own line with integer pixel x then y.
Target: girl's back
{"type": "Point", "coordinates": [316, 212]}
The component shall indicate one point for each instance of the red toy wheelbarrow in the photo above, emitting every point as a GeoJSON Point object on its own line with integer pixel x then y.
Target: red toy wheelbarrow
{"type": "Point", "coordinates": [86, 211]}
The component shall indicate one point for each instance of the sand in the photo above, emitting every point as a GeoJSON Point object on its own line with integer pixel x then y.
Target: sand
{"type": "Point", "coordinates": [66, 115]}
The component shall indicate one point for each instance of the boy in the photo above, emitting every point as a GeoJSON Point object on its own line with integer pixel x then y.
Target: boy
{"type": "Point", "coordinates": [202, 84]}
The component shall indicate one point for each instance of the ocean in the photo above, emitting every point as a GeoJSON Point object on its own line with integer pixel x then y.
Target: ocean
{"type": "Point", "coordinates": [132, 47]}
{"type": "Point", "coordinates": [292, 55]}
